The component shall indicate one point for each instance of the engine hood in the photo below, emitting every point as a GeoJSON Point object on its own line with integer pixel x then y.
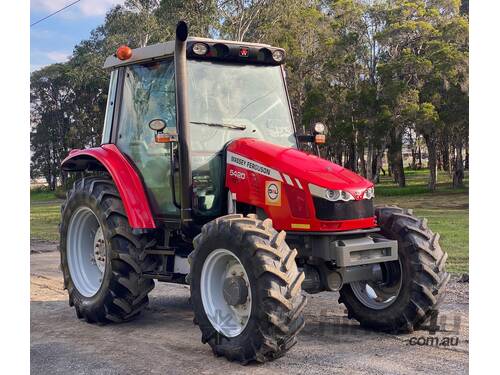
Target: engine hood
{"type": "Point", "coordinates": [291, 164]}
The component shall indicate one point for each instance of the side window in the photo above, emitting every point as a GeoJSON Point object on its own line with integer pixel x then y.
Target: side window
{"type": "Point", "coordinates": [149, 93]}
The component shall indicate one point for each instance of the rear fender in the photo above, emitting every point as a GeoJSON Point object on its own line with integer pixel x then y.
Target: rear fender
{"type": "Point", "coordinates": [127, 180]}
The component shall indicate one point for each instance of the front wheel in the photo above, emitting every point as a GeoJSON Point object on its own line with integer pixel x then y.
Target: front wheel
{"type": "Point", "coordinates": [411, 287]}
{"type": "Point", "coordinates": [246, 289]}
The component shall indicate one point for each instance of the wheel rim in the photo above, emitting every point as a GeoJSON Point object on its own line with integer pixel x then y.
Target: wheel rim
{"type": "Point", "coordinates": [219, 266]}
{"type": "Point", "coordinates": [379, 295]}
{"type": "Point", "coordinates": [86, 251]}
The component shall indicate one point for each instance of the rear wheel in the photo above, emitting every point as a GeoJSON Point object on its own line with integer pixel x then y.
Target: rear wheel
{"type": "Point", "coordinates": [411, 287]}
{"type": "Point", "coordinates": [101, 258]}
{"type": "Point", "coordinates": [246, 289]}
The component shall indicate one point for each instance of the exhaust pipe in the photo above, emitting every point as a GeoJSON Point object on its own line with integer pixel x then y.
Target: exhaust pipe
{"type": "Point", "coordinates": [181, 34]}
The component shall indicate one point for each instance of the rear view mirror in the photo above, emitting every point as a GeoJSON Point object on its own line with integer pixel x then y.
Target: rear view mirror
{"type": "Point", "coordinates": [158, 125]}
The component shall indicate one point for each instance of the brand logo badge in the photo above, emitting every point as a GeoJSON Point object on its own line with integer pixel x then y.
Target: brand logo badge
{"type": "Point", "coordinates": [273, 193]}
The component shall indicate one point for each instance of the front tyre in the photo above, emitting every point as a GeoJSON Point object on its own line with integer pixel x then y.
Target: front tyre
{"type": "Point", "coordinates": [412, 287]}
{"type": "Point", "coordinates": [246, 289]}
{"type": "Point", "coordinates": [101, 259]}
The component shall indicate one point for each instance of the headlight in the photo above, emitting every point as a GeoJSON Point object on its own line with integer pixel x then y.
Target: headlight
{"type": "Point", "coordinates": [346, 196]}
{"type": "Point", "coordinates": [331, 195]}
{"type": "Point", "coordinates": [369, 193]}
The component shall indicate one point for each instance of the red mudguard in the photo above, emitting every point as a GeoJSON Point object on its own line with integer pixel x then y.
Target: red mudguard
{"type": "Point", "coordinates": [125, 177]}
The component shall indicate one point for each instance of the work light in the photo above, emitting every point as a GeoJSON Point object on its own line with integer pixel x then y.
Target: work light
{"type": "Point", "coordinates": [319, 127]}
{"type": "Point", "coordinates": [200, 49]}
{"type": "Point", "coordinates": [278, 55]}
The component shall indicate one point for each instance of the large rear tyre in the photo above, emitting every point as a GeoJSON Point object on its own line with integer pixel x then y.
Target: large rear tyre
{"type": "Point", "coordinates": [246, 289]}
{"type": "Point", "coordinates": [101, 259]}
{"type": "Point", "coordinates": [412, 287]}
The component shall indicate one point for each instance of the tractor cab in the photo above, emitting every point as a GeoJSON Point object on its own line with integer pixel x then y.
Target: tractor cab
{"type": "Point", "coordinates": [234, 90]}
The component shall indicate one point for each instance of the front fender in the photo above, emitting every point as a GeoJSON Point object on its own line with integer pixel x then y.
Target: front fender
{"type": "Point", "coordinates": [125, 177]}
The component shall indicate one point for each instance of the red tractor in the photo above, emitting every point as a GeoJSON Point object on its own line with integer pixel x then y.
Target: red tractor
{"type": "Point", "coordinates": [199, 179]}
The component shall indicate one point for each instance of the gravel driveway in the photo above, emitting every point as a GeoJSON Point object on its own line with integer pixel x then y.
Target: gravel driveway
{"type": "Point", "coordinates": [164, 340]}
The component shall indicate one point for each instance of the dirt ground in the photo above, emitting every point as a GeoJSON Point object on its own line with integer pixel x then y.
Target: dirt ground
{"type": "Point", "coordinates": [164, 339]}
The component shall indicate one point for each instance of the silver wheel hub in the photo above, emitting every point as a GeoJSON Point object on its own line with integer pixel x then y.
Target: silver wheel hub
{"type": "Point", "coordinates": [86, 251]}
{"type": "Point", "coordinates": [225, 292]}
{"type": "Point", "coordinates": [99, 257]}
{"type": "Point", "coordinates": [381, 294]}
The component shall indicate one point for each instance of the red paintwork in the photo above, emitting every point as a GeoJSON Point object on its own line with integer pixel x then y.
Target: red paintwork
{"type": "Point", "coordinates": [127, 182]}
{"type": "Point", "coordinates": [307, 169]}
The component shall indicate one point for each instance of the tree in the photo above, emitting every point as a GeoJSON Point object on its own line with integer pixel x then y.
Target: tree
{"type": "Point", "coordinates": [50, 121]}
{"type": "Point", "coordinates": [380, 74]}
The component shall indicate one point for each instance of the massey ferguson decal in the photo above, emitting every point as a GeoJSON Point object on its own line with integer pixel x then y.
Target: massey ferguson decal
{"type": "Point", "coordinates": [273, 193]}
{"type": "Point", "coordinates": [242, 162]}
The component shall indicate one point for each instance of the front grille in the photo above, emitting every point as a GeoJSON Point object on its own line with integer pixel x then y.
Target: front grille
{"type": "Point", "coordinates": [340, 210]}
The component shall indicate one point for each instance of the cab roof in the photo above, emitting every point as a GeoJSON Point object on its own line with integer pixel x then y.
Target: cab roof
{"type": "Point", "coordinates": [160, 50]}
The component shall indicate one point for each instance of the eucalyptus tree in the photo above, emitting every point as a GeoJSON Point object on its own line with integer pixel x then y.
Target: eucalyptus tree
{"type": "Point", "coordinates": [51, 98]}
{"type": "Point", "coordinates": [372, 71]}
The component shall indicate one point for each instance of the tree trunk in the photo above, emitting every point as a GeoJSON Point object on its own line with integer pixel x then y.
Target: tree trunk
{"type": "Point", "coordinates": [362, 161]}
{"type": "Point", "coordinates": [338, 157]}
{"type": "Point", "coordinates": [369, 162]}
{"type": "Point", "coordinates": [458, 173]}
{"type": "Point", "coordinates": [419, 158]}
{"type": "Point", "coordinates": [395, 156]}
{"type": "Point", "coordinates": [377, 166]}
{"type": "Point", "coordinates": [445, 152]}
{"type": "Point", "coordinates": [431, 149]}
{"type": "Point", "coordinates": [413, 158]}
{"type": "Point", "coordinates": [52, 182]}
{"type": "Point", "coordinates": [413, 151]}
{"type": "Point", "coordinates": [466, 159]}
{"type": "Point", "coordinates": [352, 163]}
{"type": "Point", "coordinates": [453, 158]}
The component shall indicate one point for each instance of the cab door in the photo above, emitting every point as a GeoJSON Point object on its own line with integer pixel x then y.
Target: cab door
{"type": "Point", "coordinates": [148, 93]}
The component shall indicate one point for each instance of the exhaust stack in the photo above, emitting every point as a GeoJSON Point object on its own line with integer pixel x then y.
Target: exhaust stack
{"type": "Point", "coordinates": [181, 34]}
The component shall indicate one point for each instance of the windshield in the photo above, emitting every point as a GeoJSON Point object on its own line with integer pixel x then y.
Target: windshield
{"type": "Point", "coordinates": [228, 101]}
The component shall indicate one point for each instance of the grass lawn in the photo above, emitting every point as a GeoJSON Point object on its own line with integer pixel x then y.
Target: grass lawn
{"type": "Point", "coordinates": [45, 216]}
{"type": "Point", "coordinates": [447, 211]}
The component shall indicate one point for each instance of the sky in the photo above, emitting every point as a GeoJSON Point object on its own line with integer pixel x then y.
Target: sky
{"type": "Point", "coordinates": [52, 40]}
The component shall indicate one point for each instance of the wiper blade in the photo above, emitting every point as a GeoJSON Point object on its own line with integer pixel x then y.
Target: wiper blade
{"type": "Point", "coordinates": [230, 126]}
